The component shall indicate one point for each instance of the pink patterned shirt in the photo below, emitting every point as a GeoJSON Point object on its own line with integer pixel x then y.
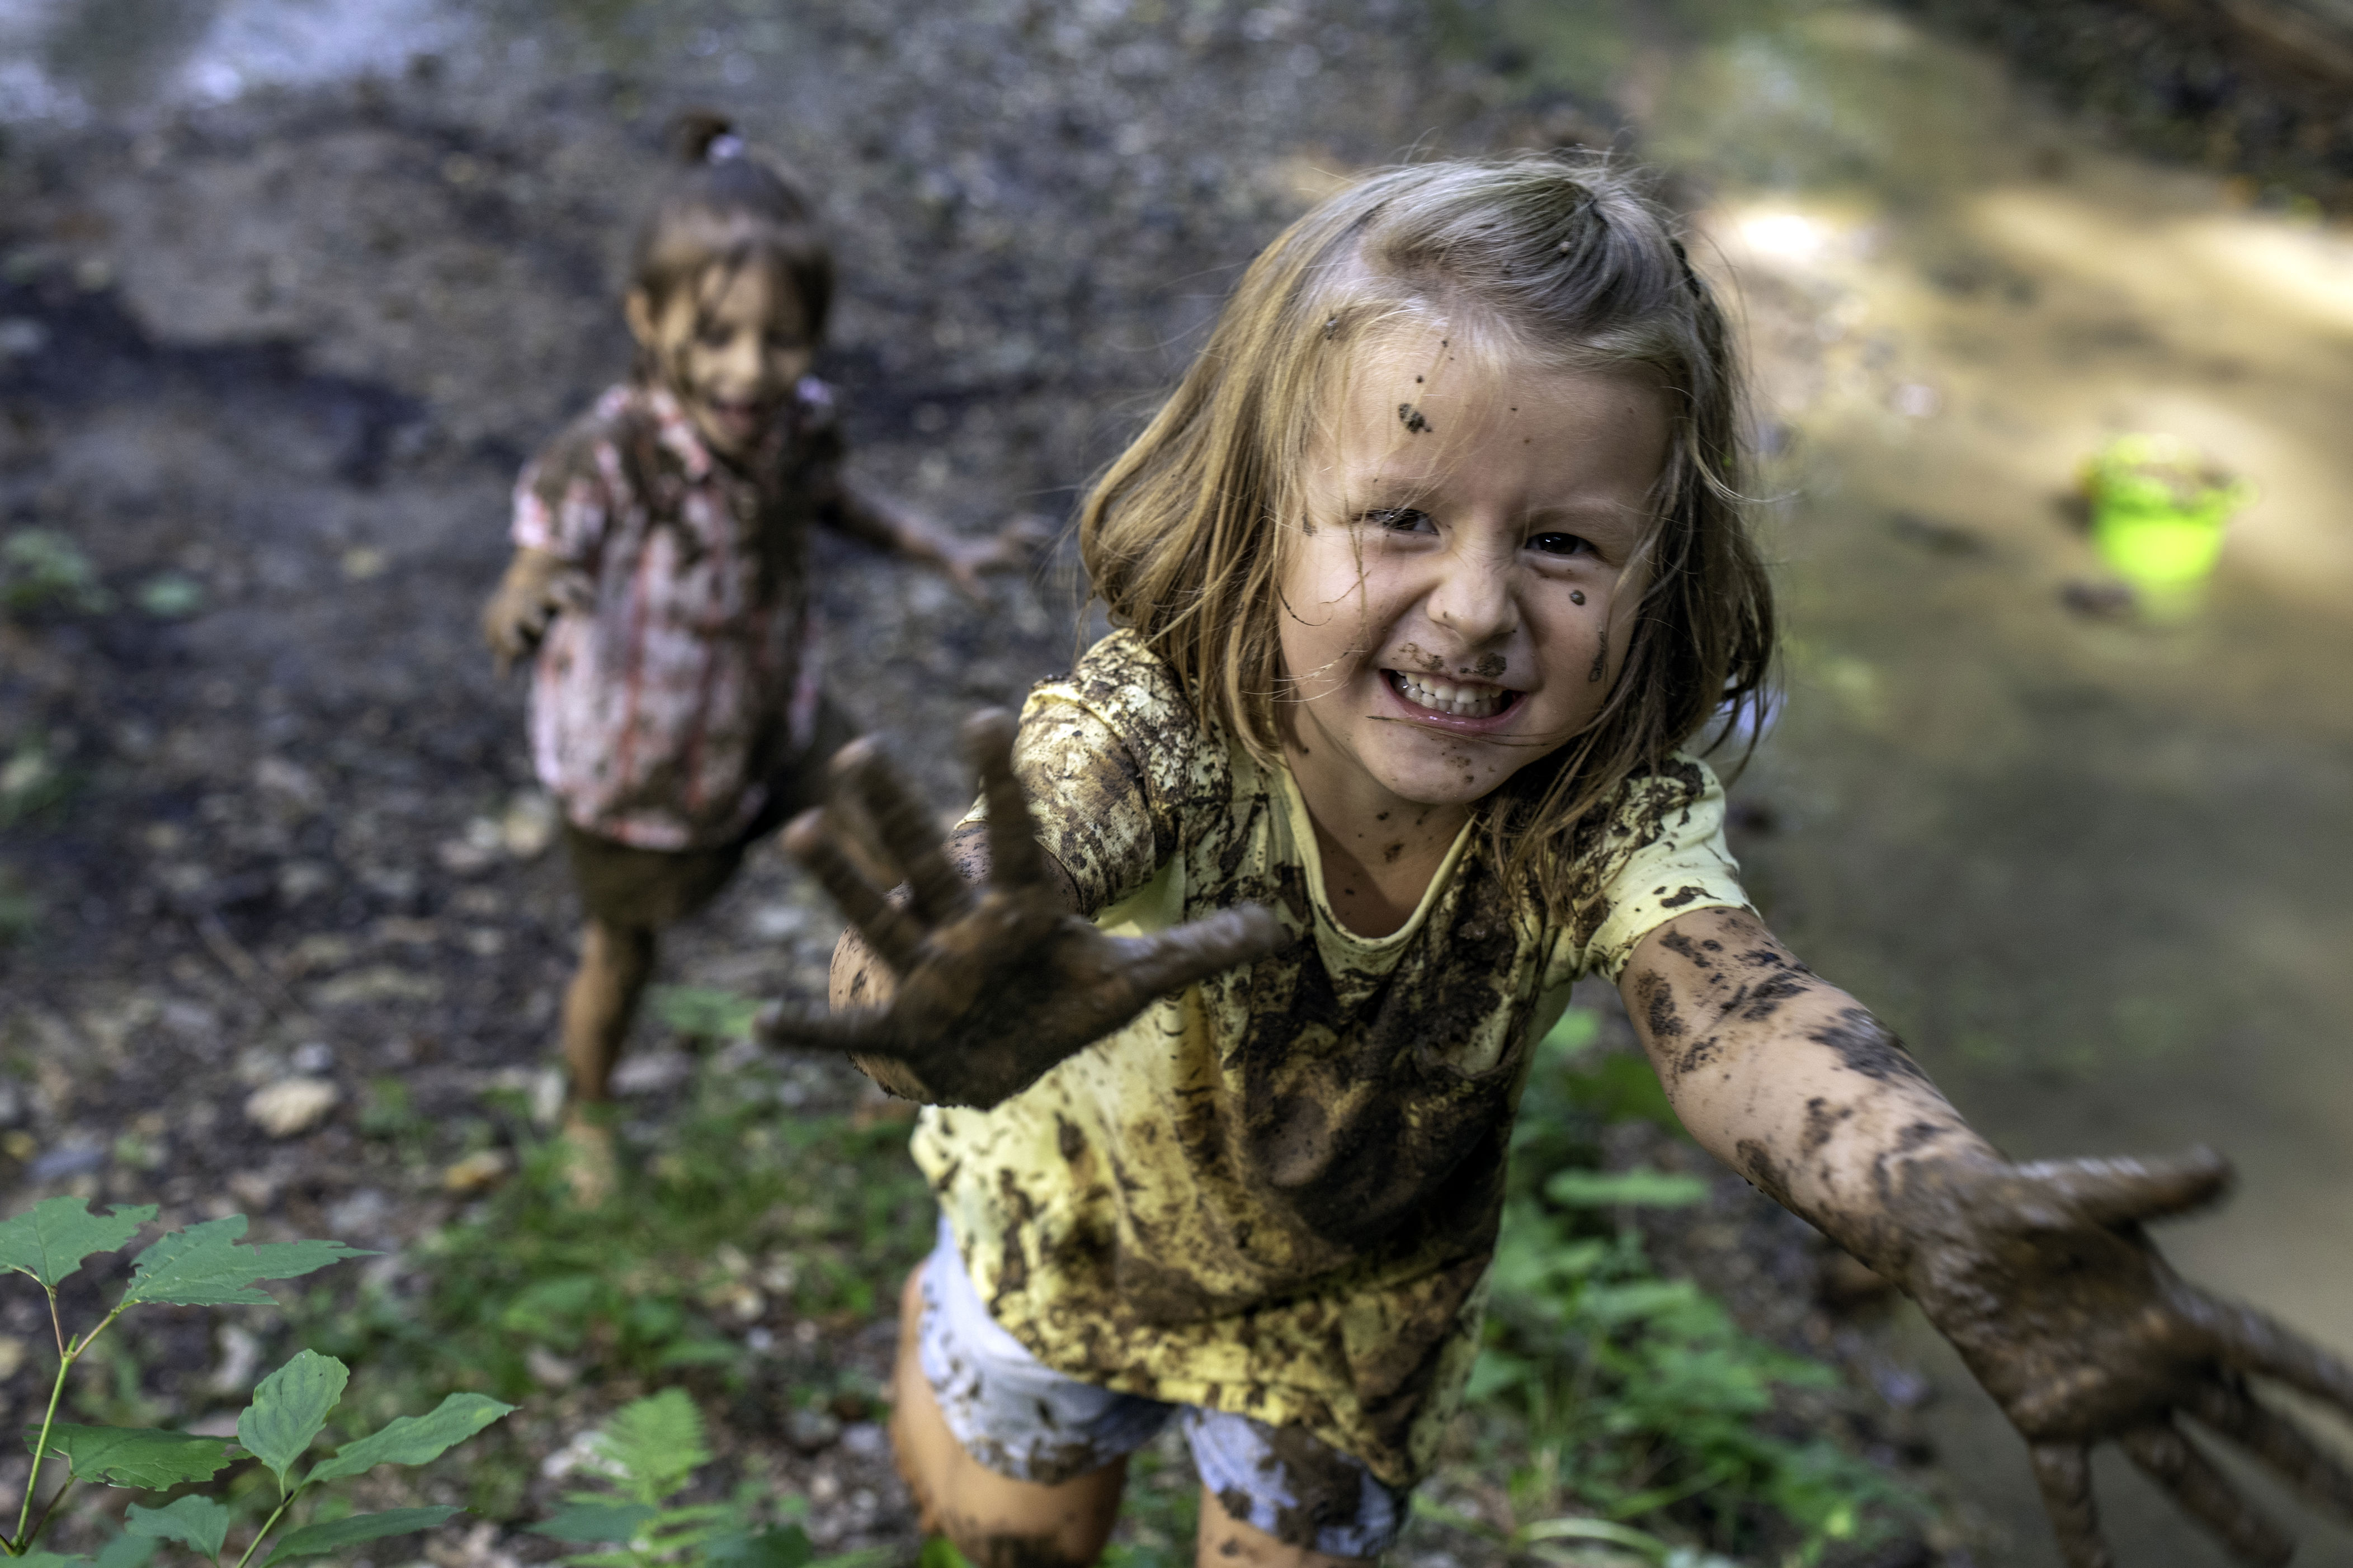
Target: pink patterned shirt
{"type": "Point", "coordinates": [661, 714]}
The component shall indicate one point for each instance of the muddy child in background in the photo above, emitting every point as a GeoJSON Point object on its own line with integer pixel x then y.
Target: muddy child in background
{"type": "Point", "coordinates": [1224, 998]}
{"type": "Point", "coordinates": [660, 568]}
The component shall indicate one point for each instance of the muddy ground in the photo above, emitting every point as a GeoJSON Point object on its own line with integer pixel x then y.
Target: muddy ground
{"type": "Point", "coordinates": [270, 363]}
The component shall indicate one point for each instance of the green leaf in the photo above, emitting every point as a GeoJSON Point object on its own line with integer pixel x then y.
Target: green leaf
{"type": "Point", "coordinates": [135, 1455]}
{"type": "Point", "coordinates": [318, 1540]}
{"type": "Point", "coordinates": [656, 1443]}
{"type": "Point", "coordinates": [204, 1267]}
{"type": "Point", "coordinates": [703, 1013]}
{"type": "Point", "coordinates": [49, 1241]}
{"type": "Point", "coordinates": [289, 1408]}
{"type": "Point", "coordinates": [779, 1546]}
{"type": "Point", "coordinates": [1603, 1189]}
{"type": "Point", "coordinates": [127, 1551]}
{"type": "Point", "coordinates": [193, 1521]}
{"type": "Point", "coordinates": [413, 1439]}
{"type": "Point", "coordinates": [44, 1560]}
{"type": "Point", "coordinates": [584, 1522]}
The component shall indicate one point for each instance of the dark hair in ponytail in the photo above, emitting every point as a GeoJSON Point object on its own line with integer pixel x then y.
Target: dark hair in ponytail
{"type": "Point", "coordinates": [727, 206]}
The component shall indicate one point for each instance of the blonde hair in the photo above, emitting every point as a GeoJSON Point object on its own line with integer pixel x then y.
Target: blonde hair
{"type": "Point", "coordinates": [1561, 259]}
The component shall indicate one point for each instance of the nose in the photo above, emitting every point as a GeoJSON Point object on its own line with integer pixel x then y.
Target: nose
{"type": "Point", "coordinates": [740, 365]}
{"type": "Point", "coordinates": [1475, 596]}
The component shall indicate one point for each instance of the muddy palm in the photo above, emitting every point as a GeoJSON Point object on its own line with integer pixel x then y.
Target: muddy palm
{"type": "Point", "coordinates": [998, 980]}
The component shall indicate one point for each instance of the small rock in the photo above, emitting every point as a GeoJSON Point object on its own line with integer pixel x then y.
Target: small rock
{"type": "Point", "coordinates": [240, 1357]}
{"type": "Point", "coordinates": [65, 1159]}
{"type": "Point", "coordinates": [812, 1430]}
{"type": "Point", "coordinates": [866, 1440]}
{"type": "Point", "coordinates": [529, 826]}
{"type": "Point", "coordinates": [550, 1370]}
{"type": "Point", "coordinates": [12, 1354]}
{"type": "Point", "coordinates": [477, 1173]}
{"type": "Point", "coordinates": [291, 1105]}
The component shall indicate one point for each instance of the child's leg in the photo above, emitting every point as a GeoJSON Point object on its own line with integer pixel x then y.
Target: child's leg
{"type": "Point", "coordinates": [995, 1521]}
{"type": "Point", "coordinates": [1225, 1542]}
{"type": "Point", "coordinates": [615, 962]}
{"type": "Point", "coordinates": [1278, 1497]}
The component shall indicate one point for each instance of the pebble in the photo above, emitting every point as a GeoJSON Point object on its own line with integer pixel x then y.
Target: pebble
{"type": "Point", "coordinates": [477, 1173]}
{"type": "Point", "coordinates": [291, 1105]}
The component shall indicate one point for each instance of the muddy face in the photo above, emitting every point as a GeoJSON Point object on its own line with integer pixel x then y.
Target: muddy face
{"type": "Point", "coordinates": [1465, 575]}
{"type": "Point", "coordinates": [731, 346]}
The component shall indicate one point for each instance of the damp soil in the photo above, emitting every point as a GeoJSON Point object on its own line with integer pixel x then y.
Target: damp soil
{"type": "Point", "coordinates": [277, 328]}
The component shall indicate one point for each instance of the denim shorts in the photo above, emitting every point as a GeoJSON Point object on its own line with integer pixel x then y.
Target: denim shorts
{"type": "Point", "coordinates": [1022, 1419]}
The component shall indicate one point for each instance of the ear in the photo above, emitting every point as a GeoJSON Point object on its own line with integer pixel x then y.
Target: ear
{"type": "Point", "coordinates": [638, 307]}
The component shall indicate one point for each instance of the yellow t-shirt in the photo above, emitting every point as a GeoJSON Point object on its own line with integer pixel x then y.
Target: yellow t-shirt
{"type": "Point", "coordinates": [1276, 1192]}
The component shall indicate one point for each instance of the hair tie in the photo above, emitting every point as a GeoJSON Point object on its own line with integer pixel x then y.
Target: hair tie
{"type": "Point", "coordinates": [724, 147]}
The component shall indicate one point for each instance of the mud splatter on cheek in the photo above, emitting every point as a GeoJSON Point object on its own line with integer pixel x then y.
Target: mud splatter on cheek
{"type": "Point", "coordinates": [1411, 418]}
{"type": "Point", "coordinates": [1600, 665]}
{"type": "Point", "coordinates": [1489, 666]}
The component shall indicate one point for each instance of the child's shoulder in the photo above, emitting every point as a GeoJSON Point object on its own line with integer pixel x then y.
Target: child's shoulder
{"type": "Point", "coordinates": [597, 438]}
{"type": "Point", "coordinates": [1122, 674]}
{"type": "Point", "coordinates": [1123, 695]}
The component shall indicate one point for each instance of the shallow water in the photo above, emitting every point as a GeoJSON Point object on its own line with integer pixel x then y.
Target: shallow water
{"type": "Point", "coordinates": [2093, 870]}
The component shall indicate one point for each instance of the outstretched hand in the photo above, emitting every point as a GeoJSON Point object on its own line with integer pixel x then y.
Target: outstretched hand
{"type": "Point", "coordinates": [536, 589]}
{"type": "Point", "coordinates": [997, 981]}
{"type": "Point", "coordinates": [2043, 1278]}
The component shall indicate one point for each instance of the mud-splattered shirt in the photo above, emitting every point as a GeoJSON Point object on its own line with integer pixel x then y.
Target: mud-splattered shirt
{"type": "Point", "coordinates": [1277, 1192]}
{"type": "Point", "coordinates": [660, 715]}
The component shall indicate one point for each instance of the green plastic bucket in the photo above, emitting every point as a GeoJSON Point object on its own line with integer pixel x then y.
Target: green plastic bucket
{"type": "Point", "coordinates": [2160, 508]}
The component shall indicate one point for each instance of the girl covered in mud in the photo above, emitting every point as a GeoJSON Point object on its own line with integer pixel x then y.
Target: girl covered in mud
{"type": "Point", "coordinates": [660, 568]}
{"type": "Point", "coordinates": [1223, 999]}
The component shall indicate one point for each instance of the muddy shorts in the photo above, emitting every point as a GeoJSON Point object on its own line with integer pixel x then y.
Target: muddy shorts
{"type": "Point", "coordinates": [1020, 1418]}
{"type": "Point", "coordinates": [622, 885]}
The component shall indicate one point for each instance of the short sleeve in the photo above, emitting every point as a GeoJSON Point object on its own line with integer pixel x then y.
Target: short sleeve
{"type": "Point", "coordinates": [1106, 757]}
{"type": "Point", "coordinates": [564, 498]}
{"type": "Point", "coordinates": [1665, 856]}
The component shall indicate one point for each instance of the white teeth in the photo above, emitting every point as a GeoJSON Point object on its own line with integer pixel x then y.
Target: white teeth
{"type": "Point", "coordinates": [1445, 696]}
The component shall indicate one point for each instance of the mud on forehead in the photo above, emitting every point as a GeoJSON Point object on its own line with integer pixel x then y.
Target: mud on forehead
{"type": "Point", "coordinates": [1379, 389]}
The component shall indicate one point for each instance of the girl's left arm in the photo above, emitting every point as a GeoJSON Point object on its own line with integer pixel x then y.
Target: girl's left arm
{"type": "Point", "coordinates": [2040, 1274]}
{"type": "Point", "coordinates": [890, 524]}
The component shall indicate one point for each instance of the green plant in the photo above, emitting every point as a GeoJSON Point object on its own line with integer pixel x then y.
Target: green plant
{"type": "Point", "coordinates": [40, 568]}
{"type": "Point", "coordinates": [646, 1457]}
{"type": "Point", "coordinates": [1635, 1397]}
{"type": "Point", "coordinates": [208, 1265]}
{"type": "Point", "coordinates": [741, 1206]}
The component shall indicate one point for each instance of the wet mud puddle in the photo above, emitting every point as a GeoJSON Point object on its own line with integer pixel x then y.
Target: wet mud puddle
{"type": "Point", "coordinates": [2093, 871]}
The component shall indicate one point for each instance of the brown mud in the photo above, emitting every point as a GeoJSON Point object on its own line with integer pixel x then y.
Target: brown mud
{"type": "Point", "coordinates": [286, 338]}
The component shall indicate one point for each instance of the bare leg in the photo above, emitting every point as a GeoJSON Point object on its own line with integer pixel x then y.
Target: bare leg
{"type": "Point", "coordinates": [614, 963]}
{"type": "Point", "coordinates": [995, 1521]}
{"type": "Point", "coordinates": [1226, 1541]}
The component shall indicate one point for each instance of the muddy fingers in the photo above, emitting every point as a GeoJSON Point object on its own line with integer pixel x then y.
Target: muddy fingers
{"type": "Point", "coordinates": [2190, 1478]}
{"type": "Point", "coordinates": [894, 935]}
{"type": "Point", "coordinates": [2122, 1191]}
{"type": "Point", "coordinates": [1014, 857]}
{"type": "Point", "coordinates": [2063, 1473]}
{"type": "Point", "coordinates": [798, 1028]}
{"type": "Point", "coordinates": [2248, 1341]}
{"type": "Point", "coordinates": [910, 835]}
{"type": "Point", "coordinates": [1172, 960]}
{"type": "Point", "coordinates": [2278, 1442]}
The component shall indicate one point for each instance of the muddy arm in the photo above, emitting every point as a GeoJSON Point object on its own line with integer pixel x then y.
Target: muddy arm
{"type": "Point", "coordinates": [890, 524]}
{"type": "Point", "coordinates": [2040, 1274]}
{"type": "Point", "coordinates": [1784, 1077]}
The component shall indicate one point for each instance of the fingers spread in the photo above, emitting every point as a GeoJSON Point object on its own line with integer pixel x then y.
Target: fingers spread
{"type": "Point", "coordinates": [891, 933]}
{"type": "Point", "coordinates": [2279, 1442]}
{"type": "Point", "coordinates": [909, 834]}
{"type": "Point", "coordinates": [2175, 1463]}
{"type": "Point", "coordinates": [2247, 1340]}
{"type": "Point", "coordinates": [2118, 1192]}
{"type": "Point", "coordinates": [2063, 1473]}
{"type": "Point", "coordinates": [1174, 958]}
{"type": "Point", "coordinates": [1014, 861]}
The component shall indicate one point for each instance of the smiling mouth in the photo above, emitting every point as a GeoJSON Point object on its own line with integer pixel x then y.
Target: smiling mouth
{"type": "Point", "coordinates": [1447, 698]}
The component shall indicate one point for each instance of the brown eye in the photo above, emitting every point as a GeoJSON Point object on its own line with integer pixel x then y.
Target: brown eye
{"type": "Point", "coordinates": [1561, 544]}
{"type": "Point", "coordinates": [1399, 519]}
